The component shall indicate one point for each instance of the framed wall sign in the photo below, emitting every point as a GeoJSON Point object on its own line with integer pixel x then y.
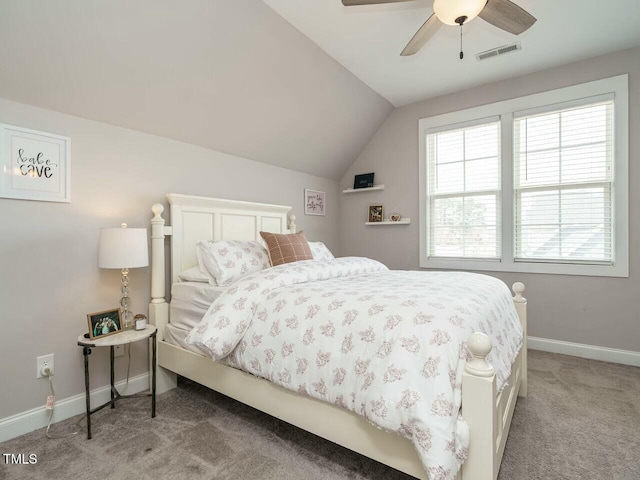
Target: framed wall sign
{"type": "Point", "coordinates": [364, 180]}
{"type": "Point", "coordinates": [34, 165]}
{"type": "Point", "coordinates": [314, 202]}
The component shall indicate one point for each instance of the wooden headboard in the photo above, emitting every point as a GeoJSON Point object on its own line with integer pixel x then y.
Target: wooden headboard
{"type": "Point", "coordinates": [197, 219]}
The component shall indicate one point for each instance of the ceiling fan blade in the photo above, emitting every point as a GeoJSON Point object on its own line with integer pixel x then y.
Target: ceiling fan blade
{"type": "Point", "coordinates": [422, 36]}
{"type": "Point", "coordinates": [508, 16]}
{"type": "Point", "coordinates": [351, 3]}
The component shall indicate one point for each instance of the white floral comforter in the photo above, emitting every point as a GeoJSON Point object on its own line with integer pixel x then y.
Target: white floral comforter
{"type": "Point", "coordinates": [388, 345]}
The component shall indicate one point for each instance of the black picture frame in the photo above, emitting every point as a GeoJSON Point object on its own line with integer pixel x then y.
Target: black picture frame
{"type": "Point", "coordinates": [364, 180]}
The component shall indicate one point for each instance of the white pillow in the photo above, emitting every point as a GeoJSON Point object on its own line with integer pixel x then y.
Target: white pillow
{"type": "Point", "coordinates": [194, 274]}
{"type": "Point", "coordinates": [320, 251]}
{"type": "Point", "coordinates": [226, 261]}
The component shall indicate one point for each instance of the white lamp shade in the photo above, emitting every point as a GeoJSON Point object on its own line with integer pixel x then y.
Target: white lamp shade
{"type": "Point", "coordinates": [448, 10]}
{"type": "Point", "coordinates": [123, 248]}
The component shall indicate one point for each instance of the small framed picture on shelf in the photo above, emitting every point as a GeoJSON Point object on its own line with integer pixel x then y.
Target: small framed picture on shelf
{"type": "Point", "coordinates": [104, 323]}
{"type": "Point", "coordinates": [314, 202]}
{"type": "Point", "coordinates": [375, 213]}
{"type": "Point", "coordinates": [363, 181]}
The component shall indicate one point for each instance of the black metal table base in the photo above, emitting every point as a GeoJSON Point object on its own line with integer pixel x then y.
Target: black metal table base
{"type": "Point", "coordinates": [115, 395]}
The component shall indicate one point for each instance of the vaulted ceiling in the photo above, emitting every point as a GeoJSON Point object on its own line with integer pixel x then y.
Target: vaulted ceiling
{"type": "Point", "coordinates": [231, 75]}
{"type": "Point", "coordinates": [302, 85]}
{"type": "Point", "coordinates": [368, 39]}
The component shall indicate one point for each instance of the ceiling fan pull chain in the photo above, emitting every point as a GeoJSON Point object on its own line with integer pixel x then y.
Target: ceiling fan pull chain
{"type": "Point", "coordinates": [460, 21]}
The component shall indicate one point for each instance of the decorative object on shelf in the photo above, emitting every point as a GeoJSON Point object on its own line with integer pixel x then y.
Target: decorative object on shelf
{"type": "Point", "coordinates": [104, 323]}
{"type": "Point", "coordinates": [123, 248]}
{"type": "Point", "coordinates": [34, 165]}
{"type": "Point", "coordinates": [140, 321]}
{"type": "Point", "coordinates": [314, 202]}
{"type": "Point", "coordinates": [363, 181]}
{"type": "Point", "coordinates": [375, 213]}
{"type": "Point", "coordinates": [395, 217]}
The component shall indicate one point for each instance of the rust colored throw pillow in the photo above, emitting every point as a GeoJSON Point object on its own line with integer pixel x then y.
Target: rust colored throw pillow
{"type": "Point", "coordinates": [287, 248]}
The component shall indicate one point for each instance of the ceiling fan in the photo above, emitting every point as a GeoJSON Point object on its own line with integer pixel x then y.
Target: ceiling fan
{"type": "Point", "coordinates": [503, 14]}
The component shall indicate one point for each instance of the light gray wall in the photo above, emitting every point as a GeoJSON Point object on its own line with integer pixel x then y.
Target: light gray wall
{"type": "Point", "coordinates": [49, 278]}
{"type": "Point", "coordinates": [589, 310]}
{"type": "Point", "coordinates": [231, 75]}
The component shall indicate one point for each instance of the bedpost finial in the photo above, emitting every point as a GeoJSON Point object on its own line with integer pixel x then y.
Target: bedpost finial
{"type": "Point", "coordinates": [518, 289]}
{"type": "Point", "coordinates": [157, 210]}
{"type": "Point", "coordinates": [292, 223]}
{"type": "Point", "coordinates": [479, 345]}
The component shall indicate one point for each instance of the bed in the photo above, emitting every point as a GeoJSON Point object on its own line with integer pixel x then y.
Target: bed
{"type": "Point", "coordinates": [486, 409]}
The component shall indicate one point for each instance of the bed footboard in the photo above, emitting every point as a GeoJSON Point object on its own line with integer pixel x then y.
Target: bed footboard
{"type": "Point", "coordinates": [521, 307]}
{"type": "Point", "coordinates": [487, 412]}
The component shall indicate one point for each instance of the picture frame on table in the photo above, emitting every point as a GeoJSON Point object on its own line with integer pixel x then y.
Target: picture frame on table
{"type": "Point", "coordinates": [314, 202]}
{"type": "Point", "coordinates": [104, 323]}
{"type": "Point", "coordinates": [34, 165]}
{"type": "Point", "coordinates": [376, 213]}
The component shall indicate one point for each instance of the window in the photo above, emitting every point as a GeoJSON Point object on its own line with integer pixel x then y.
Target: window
{"type": "Point", "coordinates": [563, 184]}
{"type": "Point", "coordinates": [464, 191]}
{"type": "Point", "coordinates": [534, 184]}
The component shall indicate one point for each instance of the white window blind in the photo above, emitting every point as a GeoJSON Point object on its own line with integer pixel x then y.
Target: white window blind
{"type": "Point", "coordinates": [463, 192]}
{"type": "Point", "coordinates": [563, 185]}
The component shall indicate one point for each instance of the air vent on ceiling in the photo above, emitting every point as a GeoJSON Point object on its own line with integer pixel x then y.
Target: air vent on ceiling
{"type": "Point", "coordinates": [494, 52]}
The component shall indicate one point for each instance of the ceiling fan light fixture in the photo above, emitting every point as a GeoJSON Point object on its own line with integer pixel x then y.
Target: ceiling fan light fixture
{"type": "Point", "coordinates": [448, 11]}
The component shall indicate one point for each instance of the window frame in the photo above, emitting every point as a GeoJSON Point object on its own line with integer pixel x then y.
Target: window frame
{"type": "Point", "coordinates": [497, 192]}
{"type": "Point", "coordinates": [507, 110]}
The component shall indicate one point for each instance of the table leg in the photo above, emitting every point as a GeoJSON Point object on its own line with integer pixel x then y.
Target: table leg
{"type": "Point", "coordinates": [112, 356]}
{"type": "Point", "coordinates": [87, 351]}
{"type": "Point", "coordinates": [153, 375]}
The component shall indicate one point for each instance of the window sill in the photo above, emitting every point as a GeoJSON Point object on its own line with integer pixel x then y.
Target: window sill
{"type": "Point", "coordinates": [527, 267]}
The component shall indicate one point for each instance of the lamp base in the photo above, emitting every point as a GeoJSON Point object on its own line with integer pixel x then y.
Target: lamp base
{"type": "Point", "coordinates": [127, 320]}
{"type": "Point", "coordinates": [125, 301]}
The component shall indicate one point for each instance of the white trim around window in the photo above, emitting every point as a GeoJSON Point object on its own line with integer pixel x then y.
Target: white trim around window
{"type": "Point", "coordinates": [506, 111]}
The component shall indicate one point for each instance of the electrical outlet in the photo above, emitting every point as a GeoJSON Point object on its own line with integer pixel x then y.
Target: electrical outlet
{"type": "Point", "coordinates": [42, 362]}
{"type": "Point", "coordinates": [118, 350]}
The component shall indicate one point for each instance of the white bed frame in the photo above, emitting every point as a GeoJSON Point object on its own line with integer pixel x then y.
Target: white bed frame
{"type": "Point", "coordinates": [200, 218]}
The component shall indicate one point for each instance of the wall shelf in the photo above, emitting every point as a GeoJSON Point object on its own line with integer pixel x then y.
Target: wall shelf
{"type": "Point", "coordinates": [360, 190]}
{"type": "Point", "coordinates": [402, 221]}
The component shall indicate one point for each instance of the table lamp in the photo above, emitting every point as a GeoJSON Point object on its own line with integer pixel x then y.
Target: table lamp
{"type": "Point", "coordinates": [123, 248]}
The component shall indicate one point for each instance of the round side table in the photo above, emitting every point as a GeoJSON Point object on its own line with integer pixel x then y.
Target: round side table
{"type": "Point", "coordinates": [122, 338]}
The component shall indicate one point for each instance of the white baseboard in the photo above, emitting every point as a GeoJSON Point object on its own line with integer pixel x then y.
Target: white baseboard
{"type": "Point", "coordinates": [36, 418]}
{"type": "Point", "coordinates": [625, 357]}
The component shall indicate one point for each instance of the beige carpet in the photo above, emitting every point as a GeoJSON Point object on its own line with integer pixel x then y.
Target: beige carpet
{"type": "Point", "coordinates": [580, 421]}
